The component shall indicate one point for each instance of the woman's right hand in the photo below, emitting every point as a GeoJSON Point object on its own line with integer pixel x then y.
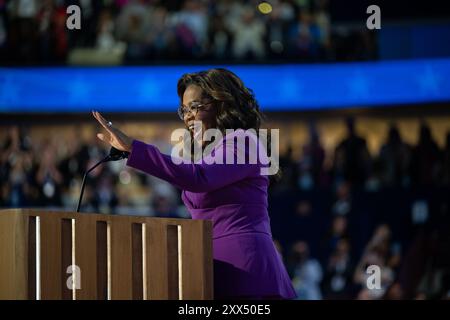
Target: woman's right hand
{"type": "Point", "coordinates": [114, 136]}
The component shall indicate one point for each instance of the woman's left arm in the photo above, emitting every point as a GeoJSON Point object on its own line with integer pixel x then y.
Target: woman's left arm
{"type": "Point", "coordinates": [187, 176]}
{"type": "Point", "coordinates": [193, 177]}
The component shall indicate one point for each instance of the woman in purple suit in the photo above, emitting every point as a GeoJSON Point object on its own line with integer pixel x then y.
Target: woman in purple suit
{"type": "Point", "coordinates": [232, 195]}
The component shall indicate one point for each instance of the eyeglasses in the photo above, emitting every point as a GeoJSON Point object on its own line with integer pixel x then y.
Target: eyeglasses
{"type": "Point", "coordinates": [194, 107]}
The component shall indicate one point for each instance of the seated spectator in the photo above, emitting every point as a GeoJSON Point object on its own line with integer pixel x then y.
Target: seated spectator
{"type": "Point", "coordinates": [133, 27]}
{"type": "Point", "coordinates": [248, 33]}
{"type": "Point", "coordinates": [426, 157]}
{"type": "Point", "coordinates": [191, 27]}
{"type": "Point", "coordinates": [337, 231]}
{"type": "Point", "coordinates": [49, 178]}
{"type": "Point", "coordinates": [304, 37]}
{"type": "Point", "coordinates": [343, 202]}
{"type": "Point", "coordinates": [163, 201]}
{"type": "Point", "coordinates": [395, 158]}
{"type": "Point", "coordinates": [311, 164]}
{"type": "Point", "coordinates": [277, 28]}
{"type": "Point", "coordinates": [307, 273]}
{"type": "Point", "coordinates": [220, 37]}
{"type": "Point", "coordinates": [352, 159]}
{"type": "Point", "coordinates": [105, 34]}
{"type": "Point", "coordinates": [338, 281]}
{"type": "Point", "coordinates": [375, 254]}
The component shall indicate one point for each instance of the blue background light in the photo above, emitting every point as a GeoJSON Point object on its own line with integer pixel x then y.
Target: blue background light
{"type": "Point", "coordinates": [277, 87]}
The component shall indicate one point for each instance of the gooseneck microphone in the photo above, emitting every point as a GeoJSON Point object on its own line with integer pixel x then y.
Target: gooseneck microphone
{"type": "Point", "coordinates": [114, 155]}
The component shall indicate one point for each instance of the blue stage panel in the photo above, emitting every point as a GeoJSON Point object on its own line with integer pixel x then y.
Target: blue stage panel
{"type": "Point", "coordinates": [277, 87]}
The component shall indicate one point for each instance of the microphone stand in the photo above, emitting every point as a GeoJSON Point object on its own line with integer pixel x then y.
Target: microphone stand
{"type": "Point", "coordinates": [113, 155]}
{"type": "Point", "coordinates": [84, 180]}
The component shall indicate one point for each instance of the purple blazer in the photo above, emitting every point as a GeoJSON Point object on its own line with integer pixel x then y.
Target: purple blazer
{"type": "Point", "coordinates": [234, 197]}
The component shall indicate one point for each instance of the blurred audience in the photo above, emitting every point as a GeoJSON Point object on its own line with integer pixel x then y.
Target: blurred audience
{"type": "Point", "coordinates": [33, 32]}
{"type": "Point", "coordinates": [327, 235]}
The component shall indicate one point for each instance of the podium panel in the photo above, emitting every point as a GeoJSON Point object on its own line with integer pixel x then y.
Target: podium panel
{"type": "Point", "coordinates": [80, 256]}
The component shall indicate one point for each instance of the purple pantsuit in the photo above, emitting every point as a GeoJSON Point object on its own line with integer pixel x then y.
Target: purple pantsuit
{"type": "Point", "coordinates": [234, 197]}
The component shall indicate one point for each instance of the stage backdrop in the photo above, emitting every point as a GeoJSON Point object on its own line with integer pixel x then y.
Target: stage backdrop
{"type": "Point", "coordinates": [277, 87]}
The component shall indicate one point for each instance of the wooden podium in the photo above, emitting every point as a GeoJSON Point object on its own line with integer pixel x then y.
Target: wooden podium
{"type": "Point", "coordinates": [66, 255]}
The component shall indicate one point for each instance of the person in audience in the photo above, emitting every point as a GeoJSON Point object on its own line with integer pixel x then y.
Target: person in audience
{"type": "Point", "coordinates": [352, 159]}
{"type": "Point", "coordinates": [307, 273]}
{"type": "Point", "coordinates": [338, 280]}
{"type": "Point", "coordinates": [395, 158]}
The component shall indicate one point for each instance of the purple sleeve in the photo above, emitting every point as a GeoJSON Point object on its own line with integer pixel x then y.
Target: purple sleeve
{"type": "Point", "coordinates": [191, 177]}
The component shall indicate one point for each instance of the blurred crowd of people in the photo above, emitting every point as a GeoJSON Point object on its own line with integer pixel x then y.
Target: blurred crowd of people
{"type": "Point", "coordinates": [419, 271]}
{"type": "Point", "coordinates": [33, 31]}
{"type": "Point", "coordinates": [397, 163]}
{"type": "Point", "coordinates": [48, 173]}
{"type": "Point", "coordinates": [322, 218]}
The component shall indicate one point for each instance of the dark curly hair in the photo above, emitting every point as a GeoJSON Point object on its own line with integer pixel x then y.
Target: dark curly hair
{"type": "Point", "coordinates": [236, 104]}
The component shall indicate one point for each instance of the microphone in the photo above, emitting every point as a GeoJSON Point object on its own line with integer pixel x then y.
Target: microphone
{"type": "Point", "coordinates": [114, 155]}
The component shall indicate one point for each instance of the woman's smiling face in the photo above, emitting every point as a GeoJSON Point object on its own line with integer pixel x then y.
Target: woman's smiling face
{"type": "Point", "coordinates": [206, 114]}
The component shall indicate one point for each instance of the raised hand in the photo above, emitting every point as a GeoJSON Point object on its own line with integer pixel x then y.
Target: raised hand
{"type": "Point", "coordinates": [114, 136]}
